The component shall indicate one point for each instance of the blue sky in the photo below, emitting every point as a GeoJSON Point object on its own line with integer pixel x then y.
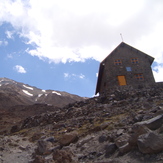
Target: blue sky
{"type": "Point", "coordinates": [59, 44]}
{"type": "Point", "coordinates": [73, 77]}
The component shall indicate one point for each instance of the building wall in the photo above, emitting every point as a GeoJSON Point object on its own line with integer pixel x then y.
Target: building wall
{"type": "Point", "coordinates": [112, 71]}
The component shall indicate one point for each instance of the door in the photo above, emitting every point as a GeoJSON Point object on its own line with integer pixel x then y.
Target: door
{"type": "Point", "coordinates": [122, 80]}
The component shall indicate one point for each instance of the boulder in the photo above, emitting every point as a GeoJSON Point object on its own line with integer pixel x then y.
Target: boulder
{"type": "Point", "coordinates": [63, 156]}
{"type": "Point", "coordinates": [102, 138]}
{"type": "Point", "coordinates": [153, 123]}
{"type": "Point", "coordinates": [120, 132]}
{"type": "Point", "coordinates": [110, 149]}
{"type": "Point", "coordinates": [122, 142]}
{"type": "Point", "coordinates": [14, 128]}
{"type": "Point", "coordinates": [44, 147]}
{"type": "Point", "coordinates": [125, 148]}
{"type": "Point", "coordinates": [136, 131]}
{"type": "Point", "coordinates": [150, 143]}
{"type": "Point", "coordinates": [82, 142]}
{"type": "Point", "coordinates": [68, 138]}
{"type": "Point", "coordinates": [160, 130]}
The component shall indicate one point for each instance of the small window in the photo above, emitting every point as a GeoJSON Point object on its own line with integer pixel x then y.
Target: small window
{"type": "Point", "coordinates": [139, 77]}
{"type": "Point", "coordinates": [134, 60]}
{"type": "Point", "coordinates": [128, 69]}
{"type": "Point", "coordinates": [117, 62]}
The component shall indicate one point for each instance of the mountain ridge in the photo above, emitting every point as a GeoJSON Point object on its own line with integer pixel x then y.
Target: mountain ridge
{"type": "Point", "coordinates": [23, 94]}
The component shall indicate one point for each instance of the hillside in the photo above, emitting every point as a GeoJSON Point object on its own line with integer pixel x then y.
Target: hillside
{"type": "Point", "coordinates": [19, 101]}
{"type": "Point", "coordinates": [120, 127]}
{"type": "Point", "coordinates": [15, 93]}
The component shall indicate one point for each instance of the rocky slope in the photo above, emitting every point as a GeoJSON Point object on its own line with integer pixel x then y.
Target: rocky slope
{"type": "Point", "coordinates": [121, 127]}
{"type": "Point", "coordinates": [19, 101]}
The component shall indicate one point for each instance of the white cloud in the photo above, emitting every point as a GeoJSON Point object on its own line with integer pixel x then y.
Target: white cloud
{"type": "Point", "coordinates": [3, 43]}
{"type": "Point", "coordinates": [157, 72]}
{"type": "Point", "coordinates": [66, 75]}
{"type": "Point", "coordinates": [73, 76]}
{"type": "Point", "coordinates": [9, 34]}
{"type": "Point", "coordinates": [19, 69]}
{"type": "Point", "coordinates": [81, 76]}
{"type": "Point", "coordinates": [65, 31]}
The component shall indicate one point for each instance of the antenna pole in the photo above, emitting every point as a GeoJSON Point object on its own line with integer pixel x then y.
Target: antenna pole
{"type": "Point", "coordinates": [121, 36]}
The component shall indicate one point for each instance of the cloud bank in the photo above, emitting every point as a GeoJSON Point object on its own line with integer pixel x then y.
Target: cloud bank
{"type": "Point", "coordinates": [65, 31]}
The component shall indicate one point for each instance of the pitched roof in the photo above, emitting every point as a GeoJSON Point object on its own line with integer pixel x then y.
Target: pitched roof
{"type": "Point", "coordinates": [101, 69]}
{"type": "Point", "coordinates": [123, 44]}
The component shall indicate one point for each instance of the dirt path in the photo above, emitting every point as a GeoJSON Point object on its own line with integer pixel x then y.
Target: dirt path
{"type": "Point", "coordinates": [15, 149]}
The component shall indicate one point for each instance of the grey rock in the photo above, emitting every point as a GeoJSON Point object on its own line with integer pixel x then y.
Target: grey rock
{"type": "Point", "coordinates": [44, 147]}
{"type": "Point", "coordinates": [120, 132]}
{"type": "Point", "coordinates": [102, 138]}
{"type": "Point", "coordinates": [110, 149]}
{"type": "Point", "coordinates": [82, 142]}
{"type": "Point", "coordinates": [153, 123]}
{"type": "Point", "coordinates": [137, 130]}
{"type": "Point", "coordinates": [150, 143]}
{"type": "Point", "coordinates": [50, 139]}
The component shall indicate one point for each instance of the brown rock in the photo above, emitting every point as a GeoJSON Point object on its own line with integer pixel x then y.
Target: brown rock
{"type": "Point", "coordinates": [35, 137]}
{"type": "Point", "coordinates": [150, 143]}
{"type": "Point", "coordinates": [122, 142]}
{"type": "Point", "coordinates": [125, 148]}
{"type": "Point", "coordinates": [38, 159]}
{"type": "Point", "coordinates": [68, 138]}
{"type": "Point", "coordinates": [63, 156]}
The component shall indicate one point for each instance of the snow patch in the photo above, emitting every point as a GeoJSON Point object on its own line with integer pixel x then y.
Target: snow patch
{"type": "Point", "coordinates": [96, 95]}
{"type": "Point", "coordinates": [0, 84]}
{"type": "Point", "coordinates": [28, 87]}
{"type": "Point", "coordinates": [46, 94]}
{"type": "Point", "coordinates": [39, 95]}
{"type": "Point", "coordinates": [26, 92]}
{"type": "Point", "coordinates": [43, 90]}
{"type": "Point", "coordinates": [56, 93]}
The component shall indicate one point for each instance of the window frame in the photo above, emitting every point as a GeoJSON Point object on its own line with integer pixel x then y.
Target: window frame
{"type": "Point", "coordinates": [134, 60]}
{"type": "Point", "coordinates": [139, 77]}
{"type": "Point", "coordinates": [117, 62]}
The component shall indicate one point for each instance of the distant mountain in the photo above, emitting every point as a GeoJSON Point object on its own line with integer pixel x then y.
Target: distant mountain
{"type": "Point", "coordinates": [15, 93]}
